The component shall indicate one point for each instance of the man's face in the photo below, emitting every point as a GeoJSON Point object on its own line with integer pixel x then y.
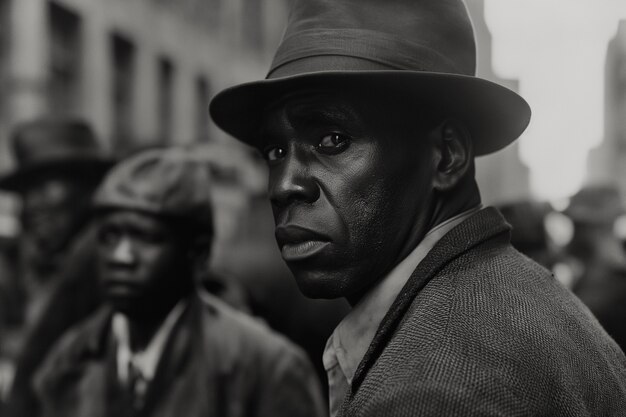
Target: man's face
{"type": "Point", "coordinates": [52, 210]}
{"type": "Point", "coordinates": [348, 194]}
{"type": "Point", "coordinates": [140, 261]}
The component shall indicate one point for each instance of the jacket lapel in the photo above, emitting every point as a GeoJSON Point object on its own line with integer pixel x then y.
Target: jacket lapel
{"type": "Point", "coordinates": [171, 366]}
{"type": "Point", "coordinates": [187, 380]}
{"type": "Point", "coordinates": [482, 226]}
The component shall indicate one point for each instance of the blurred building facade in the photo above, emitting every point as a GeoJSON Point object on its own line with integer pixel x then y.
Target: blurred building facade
{"type": "Point", "coordinates": [142, 72]}
{"type": "Point", "coordinates": [502, 176]}
{"type": "Point", "coordinates": [607, 163]}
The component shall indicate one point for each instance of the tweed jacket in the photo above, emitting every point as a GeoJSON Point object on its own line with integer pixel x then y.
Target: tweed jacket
{"type": "Point", "coordinates": [481, 330]}
{"type": "Point", "coordinates": [217, 362]}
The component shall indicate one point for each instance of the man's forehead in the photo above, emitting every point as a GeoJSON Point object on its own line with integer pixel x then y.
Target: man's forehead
{"type": "Point", "coordinates": [307, 108]}
{"type": "Point", "coordinates": [300, 102]}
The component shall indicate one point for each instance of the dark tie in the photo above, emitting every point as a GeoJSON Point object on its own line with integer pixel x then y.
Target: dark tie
{"type": "Point", "coordinates": [137, 385]}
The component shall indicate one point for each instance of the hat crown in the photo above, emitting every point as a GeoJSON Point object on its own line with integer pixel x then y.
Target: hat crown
{"type": "Point", "coordinates": [420, 51]}
{"type": "Point", "coordinates": [43, 140]}
{"type": "Point", "coordinates": [159, 182]}
{"type": "Point", "coordinates": [414, 35]}
{"type": "Point", "coordinates": [595, 204]}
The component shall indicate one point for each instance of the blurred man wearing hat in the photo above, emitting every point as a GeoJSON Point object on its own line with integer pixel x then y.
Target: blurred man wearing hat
{"type": "Point", "coordinates": [370, 119]}
{"type": "Point", "coordinates": [59, 165]}
{"type": "Point", "coordinates": [158, 348]}
{"type": "Point", "coordinates": [598, 256]}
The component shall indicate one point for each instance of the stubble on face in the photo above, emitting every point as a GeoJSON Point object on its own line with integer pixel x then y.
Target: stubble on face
{"type": "Point", "coordinates": [366, 196]}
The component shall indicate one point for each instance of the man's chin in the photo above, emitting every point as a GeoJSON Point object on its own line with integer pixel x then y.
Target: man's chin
{"type": "Point", "coordinates": [319, 285]}
{"type": "Point", "coordinates": [132, 307]}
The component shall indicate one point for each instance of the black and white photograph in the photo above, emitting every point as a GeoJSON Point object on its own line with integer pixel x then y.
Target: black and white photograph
{"type": "Point", "coordinates": [312, 208]}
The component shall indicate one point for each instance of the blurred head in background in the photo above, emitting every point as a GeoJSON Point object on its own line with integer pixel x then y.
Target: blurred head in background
{"type": "Point", "coordinates": [594, 211]}
{"type": "Point", "coordinates": [59, 163]}
{"type": "Point", "coordinates": [529, 234]}
{"type": "Point", "coordinates": [155, 227]}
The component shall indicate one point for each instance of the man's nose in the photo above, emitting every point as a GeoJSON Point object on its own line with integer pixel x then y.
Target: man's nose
{"type": "Point", "coordinates": [292, 181]}
{"type": "Point", "coordinates": [123, 253]}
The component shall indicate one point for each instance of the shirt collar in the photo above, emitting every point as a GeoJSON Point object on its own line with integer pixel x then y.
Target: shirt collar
{"type": "Point", "coordinates": [144, 361]}
{"type": "Point", "coordinates": [350, 340]}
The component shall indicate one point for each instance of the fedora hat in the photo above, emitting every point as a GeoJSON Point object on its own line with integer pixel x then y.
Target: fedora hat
{"type": "Point", "coordinates": [49, 146]}
{"type": "Point", "coordinates": [423, 50]}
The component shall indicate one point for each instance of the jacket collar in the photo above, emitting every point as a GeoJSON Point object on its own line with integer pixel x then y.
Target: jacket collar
{"type": "Point", "coordinates": [95, 338]}
{"type": "Point", "coordinates": [349, 341]}
{"type": "Point", "coordinates": [480, 227]}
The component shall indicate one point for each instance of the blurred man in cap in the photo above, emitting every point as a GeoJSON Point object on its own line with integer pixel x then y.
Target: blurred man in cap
{"type": "Point", "coordinates": [59, 165]}
{"type": "Point", "coordinates": [157, 348]}
{"type": "Point", "coordinates": [370, 119]}
{"type": "Point", "coordinates": [598, 256]}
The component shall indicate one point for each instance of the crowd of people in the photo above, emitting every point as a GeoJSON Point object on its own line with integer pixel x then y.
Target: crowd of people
{"type": "Point", "coordinates": [369, 120]}
{"type": "Point", "coordinates": [118, 319]}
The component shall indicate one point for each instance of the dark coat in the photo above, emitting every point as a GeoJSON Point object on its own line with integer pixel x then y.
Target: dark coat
{"type": "Point", "coordinates": [478, 330]}
{"type": "Point", "coordinates": [218, 362]}
{"type": "Point", "coordinates": [603, 290]}
{"type": "Point", "coordinates": [74, 296]}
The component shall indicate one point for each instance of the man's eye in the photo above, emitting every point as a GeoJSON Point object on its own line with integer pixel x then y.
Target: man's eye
{"type": "Point", "coordinates": [108, 236]}
{"type": "Point", "coordinates": [274, 154]}
{"type": "Point", "coordinates": [333, 142]}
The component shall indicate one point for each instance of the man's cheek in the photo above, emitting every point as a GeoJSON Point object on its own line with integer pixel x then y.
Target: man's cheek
{"type": "Point", "coordinates": [367, 223]}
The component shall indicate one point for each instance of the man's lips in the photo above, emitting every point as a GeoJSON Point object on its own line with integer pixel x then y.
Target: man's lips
{"type": "Point", "coordinates": [119, 286]}
{"type": "Point", "coordinates": [298, 243]}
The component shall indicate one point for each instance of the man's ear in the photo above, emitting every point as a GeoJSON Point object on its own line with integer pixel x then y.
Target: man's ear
{"type": "Point", "coordinates": [454, 154]}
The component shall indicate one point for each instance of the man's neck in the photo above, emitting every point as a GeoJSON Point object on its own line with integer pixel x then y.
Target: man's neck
{"type": "Point", "coordinates": [142, 329]}
{"type": "Point", "coordinates": [454, 203]}
{"type": "Point", "coordinates": [443, 208]}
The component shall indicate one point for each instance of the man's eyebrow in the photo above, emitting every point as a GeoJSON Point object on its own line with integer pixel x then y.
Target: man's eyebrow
{"type": "Point", "coordinates": [306, 114]}
{"type": "Point", "coordinates": [310, 114]}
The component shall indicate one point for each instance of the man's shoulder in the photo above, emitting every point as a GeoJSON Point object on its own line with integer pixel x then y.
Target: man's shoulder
{"type": "Point", "coordinates": [495, 332]}
{"type": "Point", "coordinates": [84, 341]}
{"type": "Point", "coordinates": [506, 305]}
{"type": "Point", "coordinates": [240, 332]}
{"type": "Point", "coordinates": [266, 364]}
{"type": "Point", "coordinates": [87, 335]}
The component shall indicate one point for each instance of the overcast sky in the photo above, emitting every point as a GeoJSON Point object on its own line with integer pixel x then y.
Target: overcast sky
{"type": "Point", "coordinates": [557, 50]}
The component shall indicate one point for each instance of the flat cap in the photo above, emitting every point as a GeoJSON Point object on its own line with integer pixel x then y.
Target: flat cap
{"type": "Point", "coordinates": [164, 182]}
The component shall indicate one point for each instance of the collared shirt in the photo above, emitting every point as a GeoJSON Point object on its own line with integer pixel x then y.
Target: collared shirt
{"type": "Point", "coordinates": [141, 366]}
{"type": "Point", "coordinates": [349, 342]}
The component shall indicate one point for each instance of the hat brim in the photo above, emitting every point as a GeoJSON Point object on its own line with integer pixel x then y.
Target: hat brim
{"type": "Point", "coordinates": [495, 115]}
{"type": "Point", "coordinates": [91, 168]}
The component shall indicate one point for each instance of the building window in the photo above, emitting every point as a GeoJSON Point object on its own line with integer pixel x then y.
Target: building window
{"type": "Point", "coordinates": [165, 100]}
{"type": "Point", "coordinates": [122, 98]}
{"type": "Point", "coordinates": [211, 12]}
{"type": "Point", "coordinates": [4, 37]}
{"type": "Point", "coordinates": [65, 60]}
{"type": "Point", "coordinates": [253, 23]}
{"type": "Point", "coordinates": [202, 109]}
{"type": "Point", "coordinates": [203, 13]}
{"type": "Point", "coordinates": [4, 31]}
